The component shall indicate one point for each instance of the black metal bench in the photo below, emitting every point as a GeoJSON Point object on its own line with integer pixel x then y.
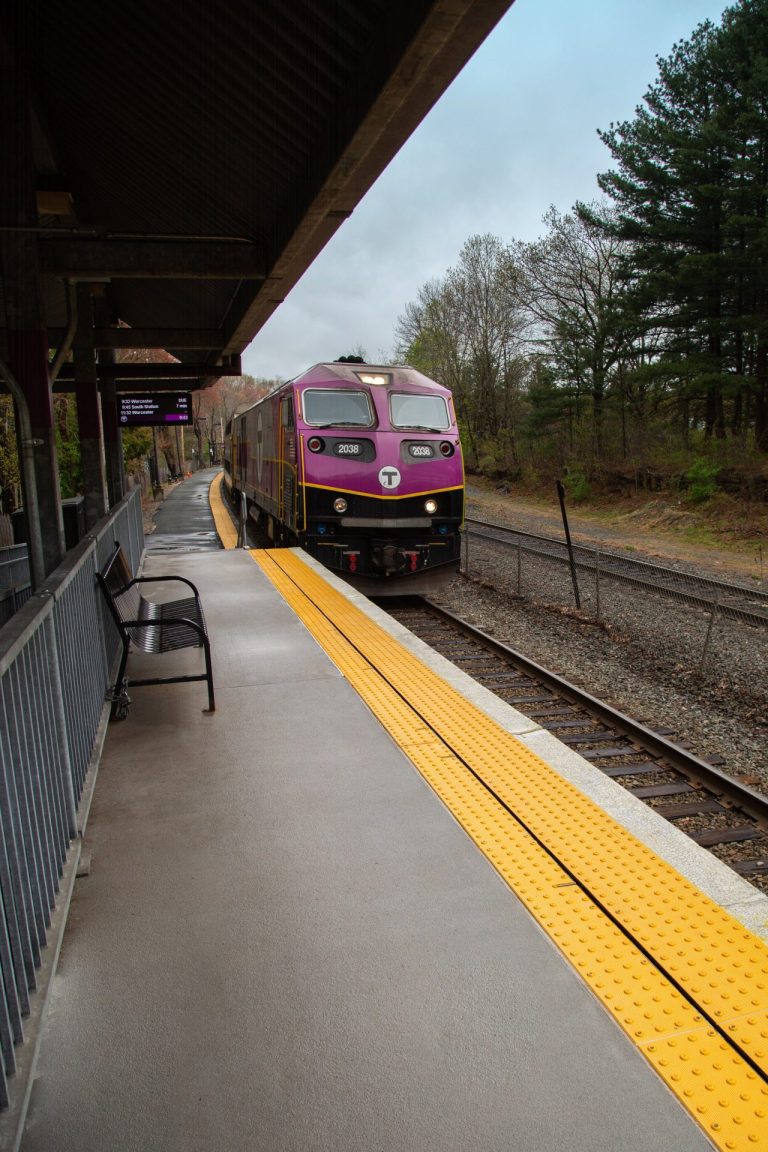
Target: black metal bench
{"type": "Point", "coordinates": [151, 626]}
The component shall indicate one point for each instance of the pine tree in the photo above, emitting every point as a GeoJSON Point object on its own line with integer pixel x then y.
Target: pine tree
{"type": "Point", "coordinates": [669, 190]}
{"type": "Point", "coordinates": [740, 52]}
{"type": "Point", "coordinates": [690, 188]}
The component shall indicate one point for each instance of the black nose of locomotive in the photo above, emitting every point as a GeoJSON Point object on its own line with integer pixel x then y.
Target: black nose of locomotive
{"type": "Point", "coordinates": [390, 559]}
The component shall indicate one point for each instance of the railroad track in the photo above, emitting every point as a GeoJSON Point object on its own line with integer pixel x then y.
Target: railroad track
{"type": "Point", "coordinates": [717, 811]}
{"type": "Point", "coordinates": [739, 602]}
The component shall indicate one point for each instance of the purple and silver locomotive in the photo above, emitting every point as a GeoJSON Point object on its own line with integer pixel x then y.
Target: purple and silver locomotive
{"type": "Point", "coordinates": [358, 464]}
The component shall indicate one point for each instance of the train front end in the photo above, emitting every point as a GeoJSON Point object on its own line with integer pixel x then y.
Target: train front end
{"type": "Point", "coordinates": [382, 472]}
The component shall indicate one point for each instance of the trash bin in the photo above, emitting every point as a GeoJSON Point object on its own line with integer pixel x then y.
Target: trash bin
{"type": "Point", "coordinates": [19, 526]}
{"type": "Point", "coordinates": [73, 512]}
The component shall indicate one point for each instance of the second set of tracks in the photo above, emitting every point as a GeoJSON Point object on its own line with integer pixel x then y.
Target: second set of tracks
{"type": "Point", "coordinates": [746, 603]}
{"type": "Point", "coordinates": [714, 809]}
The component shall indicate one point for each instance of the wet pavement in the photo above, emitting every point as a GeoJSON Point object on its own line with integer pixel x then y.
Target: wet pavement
{"type": "Point", "coordinates": [183, 521]}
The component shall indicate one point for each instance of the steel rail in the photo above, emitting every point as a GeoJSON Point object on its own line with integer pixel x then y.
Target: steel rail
{"type": "Point", "coordinates": [696, 771]}
{"type": "Point", "coordinates": [550, 548]}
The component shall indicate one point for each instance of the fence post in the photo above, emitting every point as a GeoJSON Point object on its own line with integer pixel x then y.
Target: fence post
{"type": "Point", "coordinates": [597, 583]}
{"type": "Point", "coordinates": [574, 579]}
{"type": "Point", "coordinates": [710, 626]}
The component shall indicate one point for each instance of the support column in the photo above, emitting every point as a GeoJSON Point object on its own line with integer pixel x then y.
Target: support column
{"type": "Point", "coordinates": [27, 335]}
{"type": "Point", "coordinates": [113, 440]}
{"type": "Point", "coordinates": [89, 410]}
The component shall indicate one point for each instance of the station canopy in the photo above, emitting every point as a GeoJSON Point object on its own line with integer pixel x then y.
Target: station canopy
{"type": "Point", "coordinates": [194, 157]}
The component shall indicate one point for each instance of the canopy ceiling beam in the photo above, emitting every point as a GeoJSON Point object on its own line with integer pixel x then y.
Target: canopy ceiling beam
{"type": "Point", "coordinates": [150, 259]}
{"type": "Point", "coordinates": [193, 339]}
{"type": "Point", "coordinates": [159, 371]}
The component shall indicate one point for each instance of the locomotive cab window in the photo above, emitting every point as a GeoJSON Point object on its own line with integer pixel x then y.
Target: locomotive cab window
{"type": "Point", "coordinates": [337, 408]}
{"type": "Point", "coordinates": [413, 410]}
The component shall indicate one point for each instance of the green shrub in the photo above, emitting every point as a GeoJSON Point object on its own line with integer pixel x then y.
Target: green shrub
{"type": "Point", "coordinates": [701, 478]}
{"type": "Point", "coordinates": [577, 486]}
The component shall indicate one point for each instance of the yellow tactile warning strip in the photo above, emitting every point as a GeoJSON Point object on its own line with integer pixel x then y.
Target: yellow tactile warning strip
{"type": "Point", "coordinates": [224, 526]}
{"type": "Point", "coordinates": [686, 982]}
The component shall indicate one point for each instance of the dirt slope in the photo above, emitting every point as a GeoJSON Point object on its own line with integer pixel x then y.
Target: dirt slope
{"type": "Point", "coordinates": [657, 529]}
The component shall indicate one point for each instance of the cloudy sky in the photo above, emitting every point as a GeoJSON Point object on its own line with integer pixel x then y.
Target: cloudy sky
{"type": "Point", "coordinates": [515, 133]}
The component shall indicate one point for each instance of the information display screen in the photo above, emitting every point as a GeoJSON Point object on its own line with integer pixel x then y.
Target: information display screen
{"type": "Point", "coordinates": [156, 408]}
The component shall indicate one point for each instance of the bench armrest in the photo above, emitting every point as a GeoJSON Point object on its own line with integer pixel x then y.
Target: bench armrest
{"type": "Point", "coordinates": [163, 580]}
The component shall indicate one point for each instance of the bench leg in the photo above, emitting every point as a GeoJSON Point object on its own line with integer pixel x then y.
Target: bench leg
{"type": "Point", "coordinates": [118, 694]}
{"type": "Point", "coordinates": [121, 701]}
{"type": "Point", "coordinates": [209, 675]}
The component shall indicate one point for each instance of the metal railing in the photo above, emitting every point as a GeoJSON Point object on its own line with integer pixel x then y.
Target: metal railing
{"type": "Point", "coordinates": [15, 583]}
{"type": "Point", "coordinates": [56, 656]}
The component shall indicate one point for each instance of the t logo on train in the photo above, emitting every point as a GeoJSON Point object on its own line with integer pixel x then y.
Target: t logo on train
{"type": "Point", "coordinates": [361, 466]}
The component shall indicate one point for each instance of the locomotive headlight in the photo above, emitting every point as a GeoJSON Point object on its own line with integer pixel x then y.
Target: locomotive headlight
{"type": "Point", "coordinates": [340, 504]}
{"type": "Point", "coordinates": [315, 444]}
{"type": "Point", "coordinates": [446, 448]}
{"type": "Point", "coordinates": [430, 506]}
{"type": "Point", "coordinates": [374, 377]}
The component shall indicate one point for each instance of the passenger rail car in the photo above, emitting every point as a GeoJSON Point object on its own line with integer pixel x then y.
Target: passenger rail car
{"type": "Point", "coordinates": [360, 465]}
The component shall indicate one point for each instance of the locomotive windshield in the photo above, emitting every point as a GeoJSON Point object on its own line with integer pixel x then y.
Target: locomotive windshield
{"type": "Point", "coordinates": [414, 410]}
{"type": "Point", "coordinates": [337, 407]}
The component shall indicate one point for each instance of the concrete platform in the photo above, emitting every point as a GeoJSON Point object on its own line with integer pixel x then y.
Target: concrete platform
{"type": "Point", "coordinates": [286, 943]}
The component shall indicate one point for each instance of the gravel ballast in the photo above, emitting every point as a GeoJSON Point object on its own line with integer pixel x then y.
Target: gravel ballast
{"type": "Point", "coordinates": [646, 656]}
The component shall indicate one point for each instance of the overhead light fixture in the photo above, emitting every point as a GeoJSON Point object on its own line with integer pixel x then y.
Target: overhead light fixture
{"type": "Point", "coordinates": [50, 203]}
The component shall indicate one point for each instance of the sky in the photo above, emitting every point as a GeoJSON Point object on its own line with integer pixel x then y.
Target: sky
{"type": "Point", "coordinates": [515, 133]}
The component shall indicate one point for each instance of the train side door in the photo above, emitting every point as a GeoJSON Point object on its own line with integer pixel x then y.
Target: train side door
{"type": "Point", "coordinates": [288, 463]}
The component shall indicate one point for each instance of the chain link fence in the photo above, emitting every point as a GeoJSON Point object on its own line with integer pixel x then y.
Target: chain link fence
{"type": "Point", "coordinates": [702, 625]}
